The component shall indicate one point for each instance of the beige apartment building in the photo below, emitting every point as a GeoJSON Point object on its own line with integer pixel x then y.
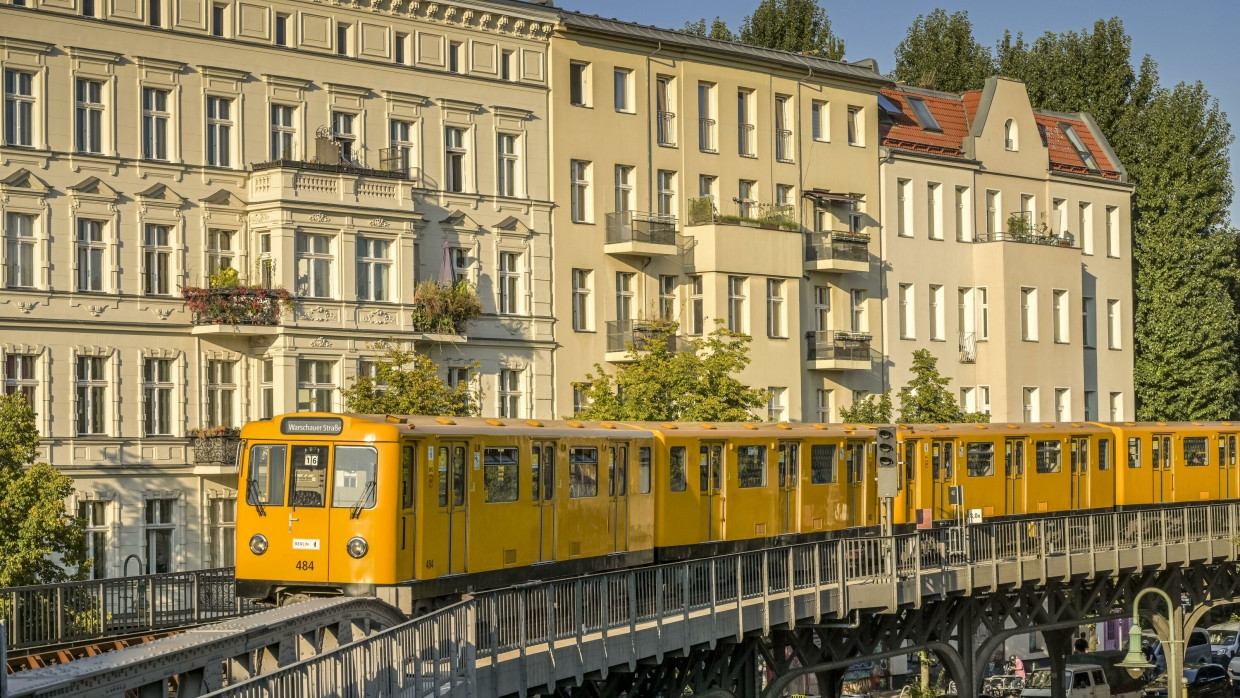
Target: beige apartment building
{"type": "Point", "coordinates": [705, 181]}
{"type": "Point", "coordinates": [1007, 235]}
{"type": "Point", "coordinates": [340, 152]}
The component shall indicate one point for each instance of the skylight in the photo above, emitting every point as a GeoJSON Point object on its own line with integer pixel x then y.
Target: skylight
{"type": "Point", "coordinates": [1081, 151]}
{"type": "Point", "coordinates": [885, 103]}
{"type": "Point", "coordinates": [927, 119]}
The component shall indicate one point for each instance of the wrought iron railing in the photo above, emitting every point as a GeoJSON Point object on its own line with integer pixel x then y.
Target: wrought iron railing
{"type": "Point", "coordinates": [639, 334]}
{"type": "Point", "coordinates": [968, 348]}
{"type": "Point", "coordinates": [667, 128]}
{"type": "Point", "coordinates": [641, 226]}
{"type": "Point", "coordinates": [706, 135]}
{"type": "Point", "coordinates": [842, 245]}
{"type": "Point", "coordinates": [828, 345]}
{"type": "Point", "coordinates": [1019, 227]}
{"type": "Point", "coordinates": [783, 144]}
{"type": "Point", "coordinates": [235, 306]}
{"type": "Point", "coordinates": [217, 449]}
{"type": "Point", "coordinates": [703, 210]}
{"type": "Point", "coordinates": [744, 140]}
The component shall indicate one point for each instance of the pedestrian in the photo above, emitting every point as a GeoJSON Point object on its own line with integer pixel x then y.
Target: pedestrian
{"type": "Point", "coordinates": [1018, 667]}
{"type": "Point", "coordinates": [1082, 645]}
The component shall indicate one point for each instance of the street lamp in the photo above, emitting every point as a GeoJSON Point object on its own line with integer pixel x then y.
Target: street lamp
{"type": "Point", "coordinates": [1135, 662]}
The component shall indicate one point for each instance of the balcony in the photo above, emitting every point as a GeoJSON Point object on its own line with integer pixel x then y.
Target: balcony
{"type": "Point", "coordinates": [638, 334]}
{"type": "Point", "coordinates": [783, 145]}
{"type": "Point", "coordinates": [330, 178]}
{"type": "Point", "coordinates": [667, 128]}
{"type": "Point", "coordinates": [968, 348]}
{"type": "Point", "coordinates": [237, 310]}
{"type": "Point", "coordinates": [744, 141]}
{"type": "Point", "coordinates": [215, 450]}
{"type": "Point", "coordinates": [840, 251]}
{"type": "Point", "coordinates": [1020, 227]}
{"type": "Point", "coordinates": [641, 233]}
{"type": "Point", "coordinates": [838, 351]}
{"type": "Point", "coordinates": [743, 212]}
{"type": "Point", "coordinates": [706, 136]}
{"type": "Point", "coordinates": [762, 239]}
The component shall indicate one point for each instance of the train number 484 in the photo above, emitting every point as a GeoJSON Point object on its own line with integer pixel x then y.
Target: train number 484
{"type": "Point", "coordinates": [305, 565]}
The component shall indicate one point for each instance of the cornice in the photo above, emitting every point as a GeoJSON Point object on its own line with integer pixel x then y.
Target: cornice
{"type": "Point", "coordinates": [496, 19]}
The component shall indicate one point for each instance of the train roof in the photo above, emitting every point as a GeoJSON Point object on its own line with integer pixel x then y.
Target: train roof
{"type": "Point", "coordinates": [997, 429]}
{"type": "Point", "coordinates": [415, 424]}
{"type": "Point", "coordinates": [1163, 426]}
{"type": "Point", "coordinates": [739, 430]}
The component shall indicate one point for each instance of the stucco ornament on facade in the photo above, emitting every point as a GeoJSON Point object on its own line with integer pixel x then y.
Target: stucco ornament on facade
{"type": "Point", "coordinates": [376, 316]}
{"type": "Point", "coordinates": [380, 223]}
{"type": "Point", "coordinates": [320, 218]}
{"type": "Point", "coordinates": [321, 342]}
{"type": "Point", "coordinates": [97, 310]}
{"type": "Point", "coordinates": [27, 306]}
{"type": "Point", "coordinates": [318, 313]}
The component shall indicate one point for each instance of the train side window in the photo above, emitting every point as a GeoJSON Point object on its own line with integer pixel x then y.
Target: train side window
{"type": "Point", "coordinates": [909, 450]}
{"type": "Point", "coordinates": [822, 464]}
{"type": "Point", "coordinates": [980, 458]}
{"type": "Point", "coordinates": [458, 475]}
{"type": "Point", "coordinates": [1104, 454]}
{"type": "Point", "coordinates": [267, 465]}
{"type": "Point", "coordinates": [443, 476]}
{"type": "Point", "coordinates": [548, 468]}
{"type": "Point", "coordinates": [1154, 452]}
{"type": "Point", "coordinates": [1222, 452]}
{"type": "Point", "coordinates": [1134, 452]}
{"type": "Point", "coordinates": [535, 474]}
{"type": "Point", "coordinates": [408, 466]}
{"type": "Point", "coordinates": [643, 469]}
{"type": "Point", "coordinates": [354, 480]}
{"type": "Point", "coordinates": [1196, 451]}
{"type": "Point", "coordinates": [1231, 448]}
{"type": "Point", "coordinates": [1049, 456]}
{"type": "Point", "coordinates": [947, 461]}
{"type": "Point", "coordinates": [583, 471]}
{"type": "Point", "coordinates": [622, 471]}
{"type": "Point", "coordinates": [751, 466]}
{"type": "Point", "coordinates": [308, 481]}
{"type": "Point", "coordinates": [500, 474]}
{"type": "Point", "coordinates": [679, 480]}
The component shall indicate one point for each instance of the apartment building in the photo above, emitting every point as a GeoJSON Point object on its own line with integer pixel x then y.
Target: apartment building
{"type": "Point", "coordinates": [709, 182]}
{"type": "Point", "coordinates": [1007, 235]}
{"type": "Point", "coordinates": [342, 153]}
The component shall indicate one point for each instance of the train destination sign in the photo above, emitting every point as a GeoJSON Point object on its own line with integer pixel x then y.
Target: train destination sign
{"type": "Point", "coordinates": [312, 425]}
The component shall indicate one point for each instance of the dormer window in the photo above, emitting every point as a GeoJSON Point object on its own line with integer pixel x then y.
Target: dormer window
{"type": "Point", "coordinates": [927, 120]}
{"type": "Point", "coordinates": [1011, 135]}
{"type": "Point", "coordinates": [1081, 151]}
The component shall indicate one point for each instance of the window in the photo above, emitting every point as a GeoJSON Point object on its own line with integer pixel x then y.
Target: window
{"type": "Point", "coordinates": [398, 50]}
{"type": "Point", "coordinates": [745, 198]}
{"type": "Point", "coordinates": [677, 471]}
{"type": "Point", "coordinates": [19, 376]}
{"type": "Point", "coordinates": [219, 250]}
{"type": "Point", "coordinates": [95, 514]}
{"type": "Point", "coordinates": [1059, 309]}
{"type": "Point", "coordinates": [1087, 158]}
{"type": "Point", "coordinates": [461, 263]}
{"type": "Point", "coordinates": [157, 396]}
{"type": "Point", "coordinates": [983, 398]}
{"type": "Point", "coordinates": [221, 532]}
{"type": "Point", "coordinates": [454, 159]}
{"type": "Point", "coordinates": [508, 65]}
{"type": "Point", "coordinates": [88, 8]}
{"type": "Point", "coordinates": [308, 479]}
{"type": "Point", "coordinates": [579, 190]}
{"type": "Point", "coordinates": [783, 195]}
{"type": "Point", "coordinates": [855, 135]}
{"type": "Point", "coordinates": [622, 88]}
{"type": "Point", "coordinates": [1113, 324]}
{"type": "Point", "coordinates": [934, 207]}
{"type": "Point", "coordinates": [624, 188]}
{"type": "Point", "coordinates": [401, 133]}
{"type": "Point", "coordinates": [1134, 451]}
{"type": "Point", "coordinates": [20, 250]}
{"type": "Point", "coordinates": [822, 308]}
{"type": "Point", "coordinates": [218, 19]}
{"type": "Point", "coordinates": [1059, 217]}
{"type": "Point", "coordinates": [582, 471]}
{"type": "Point", "coordinates": [219, 131]}
{"type": "Point", "coordinates": [342, 39]}
{"type": "Point", "coordinates": [1196, 451]}
{"type": "Point", "coordinates": [1063, 405]}
{"type": "Point", "coordinates": [369, 370]}
{"type": "Point", "coordinates": [665, 117]}
{"type": "Point", "coordinates": [1029, 314]}
{"type": "Point", "coordinates": [89, 115]}
{"type": "Point", "coordinates": [316, 385]}
{"type": "Point", "coordinates": [578, 84]}
{"type": "Point", "coordinates": [314, 258]}
{"type": "Point", "coordinates": [961, 214]}
{"type": "Point", "coordinates": [776, 404]}
{"type": "Point", "coordinates": [92, 395]}
{"type": "Point", "coordinates": [1091, 405]}
{"type": "Point", "coordinates": [857, 298]}
{"type": "Point", "coordinates": [820, 121]}
{"type": "Point", "coordinates": [924, 116]}
{"type": "Point", "coordinates": [458, 376]}
{"type": "Point", "coordinates": [159, 528]}
{"type": "Point", "coordinates": [283, 132]}
{"type": "Point", "coordinates": [697, 314]}
{"type": "Point", "coordinates": [983, 312]}
{"type": "Point", "coordinates": [824, 405]}
{"type": "Point", "coordinates": [281, 30]}
{"type": "Point", "coordinates": [980, 459]}
{"type": "Point", "coordinates": [1088, 322]}
{"type": "Point", "coordinates": [667, 297]}
{"type": "Point", "coordinates": [509, 393]}
{"type": "Point", "coordinates": [822, 464]}
{"type": "Point", "coordinates": [581, 300]}
{"type": "Point", "coordinates": [266, 262]}
{"type": "Point", "coordinates": [937, 331]}
{"type": "Point", "coordinates": [992, 213]}
{"type": "Point", "coordinates": [1117, 407]}
{"type": "Point", "coordinates": [19, 103]}
{"type": "Point", "coordinates": [154, 13]}
{"type": "Point", "coordinates": [775, 308]}
{"type": "Point", "coordinates": [500, 478]}
{"type": "Point", "coordinates": [509, 283]}
{"type": "Point", "coordinates": [506, 167]}
{"type": "Point", "coordinates": [221, 393]}
{"type": "Point", "coordinates": [267, 466]}
{"type": "Point", "coordinates": [706, 117]}
{"type": "Point", "coordinates": [750, 466]}
{"type": "Point", "coordinates": [344, 135]}
{"type": "Point", "coordinates": [904, 206]}
{"type": "Point", "coordinates": [907, 312]}
{"type": "Point", "coordinates": [666, 192]}
{"type": "Point", "coordinates": [1048, 456]}
{"type": "Point", "coordinates": [1112, 231]}
{"type": "Point", "coordinates": [745, 129]}
{"type": "Point", "coordinates": [624, 296]}
{"type": "Point", "coordinates": [783, 130]}
{"type": "Point", "coordinates": [1010, 135]}
{"type": "Point", "coordinates": [157, 258]}
{"type": "Point", "coordinates": [456, 57]}
{"type": "Point", "coordinates": [580, 401]}
{"type": "Point", "coordinates": [1085, 223]}
{"type": "Point", "coordinates": [374, 269]}
{"type": "Point", "coordinates": [968, 399]}
{"type": "Point", "coordinates": [736, 304]}
{"type": "Point", "coordinates": [1029, 407]}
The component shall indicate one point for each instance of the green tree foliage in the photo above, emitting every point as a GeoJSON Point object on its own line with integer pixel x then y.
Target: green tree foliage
{"type": "Point", "coordinates": [718, 29]}
{"type": "Point", "coordinates": [406, 382]}
{"type": "Point", "coordinates": [800, 26]}
{"type": "Point", "coordinates": [39, 542]}
{"type": "Point", "coordinates": [661, 383]}
{"type": "Point", "coordinates": [927, 400]}
{"type": "Point", "coordinates": [939, 51]}
{"type": "Point", "coordinates": [874, 409]}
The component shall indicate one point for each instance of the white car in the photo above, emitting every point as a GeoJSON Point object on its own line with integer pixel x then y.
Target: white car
{"type": "Point", "coordinates": [1225, 640]}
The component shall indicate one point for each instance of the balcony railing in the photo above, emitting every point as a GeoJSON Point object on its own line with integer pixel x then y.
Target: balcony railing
{"type": "Point", "coordinates": [744, 140]}
{"type": "Point", "coordinates": [968, 348]}
{"type": "Point", "coordinates": [828, 345]}
{"type": "Point", "coordinates": [841, 244]}
{"type": "Point", "coordinates": [216, 446]}
{"type": "Point", "coordinates": [639, 334]}
{"type": "Point", "coordinates": [706, 135]}
{"type": "Point", "coordinates": [235, 306]}
{"type": "Point", "coordinates": [1019, 227]}
{"type": "Point", "coordinates": [753, 214]}
{"type": "Point", "coordinates": [667, 128]}
{"type": "Point", "coordinates": [783, 144]}
{"type": "Point", "coordinates": [330, 156]}
{"type": "Point", "coordinates": [641, 226]}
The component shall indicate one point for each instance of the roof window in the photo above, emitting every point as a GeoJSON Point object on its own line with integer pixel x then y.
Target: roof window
{"type": "Point", "coordinates": [888, 106]}
{"type": "Point", "coordinates": [1081, 151]}
{"type": "Point", "coordinates": [928, 122]}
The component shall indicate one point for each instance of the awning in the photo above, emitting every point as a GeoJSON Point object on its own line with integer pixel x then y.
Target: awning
{"type": "Point", "coordinates": [826, 197]}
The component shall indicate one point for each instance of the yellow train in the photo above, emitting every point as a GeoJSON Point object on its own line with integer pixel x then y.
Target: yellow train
{"type": "Point", "coordinates": [420, 509]}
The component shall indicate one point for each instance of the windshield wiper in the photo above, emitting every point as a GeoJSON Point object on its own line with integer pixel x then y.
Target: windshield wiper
{"type": "Point", "coordinates": [361, 501]}
{"type": "Point", "coordinates": [251, 488]}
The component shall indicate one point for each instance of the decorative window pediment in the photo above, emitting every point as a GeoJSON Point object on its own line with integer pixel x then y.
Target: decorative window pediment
{"type": "Point", "coordinates": [162, 198]}
{"type": "Point", "coordinates": [159, 71]}
{"type": "Point", "coordinates": [460, 221]}
{"type": "Point", "coordinates": [286, 89]}
{"type": "Point", "coordinates": [223, 197]}
{"type": "Point", "coordinates": [348, 96]}
{"type": "Point", "coordinates": [222, 79]}
{"type": "Point", "coordinates": [458, 109]}
{"type": "Point", "coordinates": [25, 185]}
{"type": "Point", "coordinates": [513, 226]}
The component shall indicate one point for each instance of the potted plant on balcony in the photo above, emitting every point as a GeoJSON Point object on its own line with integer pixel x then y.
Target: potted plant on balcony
{"type": "Point", "coordinates": [443, 308]}
{"type": "Point", "coordinates": [1018, 226]}
{"type": "Point", "coordinates": [226, 302]}
{"type": "Point", "coordinates": [701, 211]}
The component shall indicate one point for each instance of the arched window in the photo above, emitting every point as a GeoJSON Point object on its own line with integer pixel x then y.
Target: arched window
{"type": "Point", "coordinates": [1010, 135]}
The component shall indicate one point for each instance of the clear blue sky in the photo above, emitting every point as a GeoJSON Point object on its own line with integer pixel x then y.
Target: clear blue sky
{"type": "Point", "coordinates": [1194, 40]}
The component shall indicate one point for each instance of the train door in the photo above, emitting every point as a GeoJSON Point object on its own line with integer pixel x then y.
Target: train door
{"type": "Point", "coordinates": [408, 483]}
{"type": "Point", "coordinates": [542, 490]}
{"type": "Point", "coordinates": [854, 457]}
{"type": "Point", "coordinates": [1164, 483]}
{"type": "Point", "coordinates": [789, 474]}
{"type": "Point", "coordinates": [941, 470]}
{"type": "Point", "coordinates": [910, 452]}
{"type": "Point", "coordinates": [1079, 496]}
{"type": "Point", "coordinates": [618, 492]}
{"type": "Point", "coordinates": [710, 470]}
{"type": "Point", "coordinates": [453, 504]}
{"type": "Point", "coordinates": [1014, 473]}
{"type": "Point", "coordinates": [308, 514]}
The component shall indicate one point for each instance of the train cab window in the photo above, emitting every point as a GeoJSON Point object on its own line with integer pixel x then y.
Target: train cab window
{"type": "Point", "coordinates": [266, 485]}
{"type": "Point", "coordinates": [980, 459]}
{"type": "Point", "coordinates": [1196, 451]}
{"type": "Point", "coordinates": [751, 466]}
{"type": "Point", "coordinates": [1048, 456]}
{"type": "Point", "coordinates": [822, 464]}
{"type": "Point", "coordinates": [354, 483]}
{"type": "Point", "coordinates": [308, 482]}
{"type": "Point", "coordinates": [643, 470]}
{"type": "Point", "coordinates": [676, 469]}
{"type": "Point", "coordinates": [408, 466]}
{"type": "Point", "coordinates": [1104, 454]}
{"type": "Point", "coordinates": [583, 471]}
{"type": "Point", "coordinates": [500, 474]}
{"type": "Point", "coordinates": [1134, 452]}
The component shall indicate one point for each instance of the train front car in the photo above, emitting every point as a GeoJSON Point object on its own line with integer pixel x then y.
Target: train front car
{"type": "Point", "coordinates": [319, 504]}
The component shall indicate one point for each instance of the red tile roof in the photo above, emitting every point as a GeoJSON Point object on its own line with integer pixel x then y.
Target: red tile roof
{"type": "Point", "coordinates": [972, 98]}
{"type": "Point", "coordinates": [1063, 156]}
{"type": "Point", "coordinates": [903, 130]}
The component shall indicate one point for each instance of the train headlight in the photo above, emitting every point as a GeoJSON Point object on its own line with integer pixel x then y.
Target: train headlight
{"type": "Point", "coordinates": [258, 544]}
{"type": "Point", "coordinates": [357, 547]}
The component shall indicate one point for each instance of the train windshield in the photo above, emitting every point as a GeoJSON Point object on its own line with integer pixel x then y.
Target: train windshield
{"type": "Point", "coordinates": [266, 484]}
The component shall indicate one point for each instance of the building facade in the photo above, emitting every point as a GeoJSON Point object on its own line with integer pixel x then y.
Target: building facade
{"type": "Point", "coordinates": [1007, 237]}
{"type": "Point", "coordinates": [341, 153]}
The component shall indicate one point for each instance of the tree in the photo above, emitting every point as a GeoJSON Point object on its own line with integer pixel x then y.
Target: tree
{"type": "Point", "coordinates": [939, 51]}
{"type": "Point", "coordinates": [406, 382]}
{"type": "Point", "coordinates": [667, 382]}
{"type": "Point", "coordinates": [39, 542]}
{"type": "Point", "coordinates": [927, 400]}
{"type": "Point", "coordinates": [874, 409]}
{"type": "Point", "coordinates": [718, 29]}
{"type": "Point", "coordinates": [800, 26]}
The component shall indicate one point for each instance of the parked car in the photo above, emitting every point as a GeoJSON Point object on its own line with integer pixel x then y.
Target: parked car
{"type": "Point", "coordinates": [1197, 651]}
{"type": "Point", "coordinates": [1225, 641]}
{"type": "Point", "coordinates": [1233, 671]}
{"type": "Point", "coordinates": [1080, 681]}
{"type": "Point", "coordinates": [1201, 680]}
